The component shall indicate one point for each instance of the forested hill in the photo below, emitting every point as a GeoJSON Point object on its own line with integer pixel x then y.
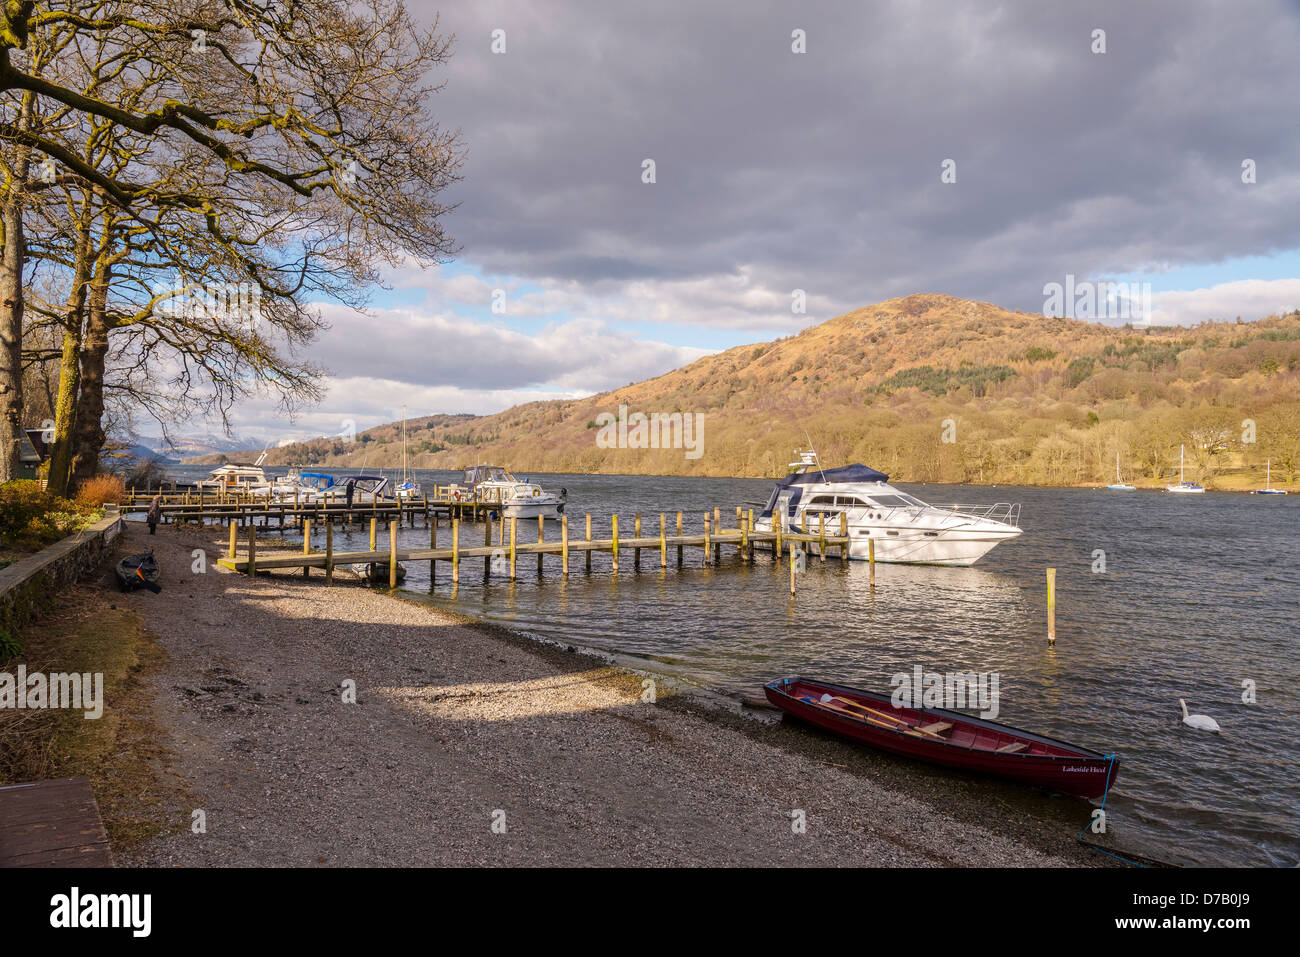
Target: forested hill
{"type": "Point", "coordinates": [927, 388]}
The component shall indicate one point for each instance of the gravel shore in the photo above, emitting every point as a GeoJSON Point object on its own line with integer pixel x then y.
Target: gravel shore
{"type": "Point", "coordinates": [457, 728]}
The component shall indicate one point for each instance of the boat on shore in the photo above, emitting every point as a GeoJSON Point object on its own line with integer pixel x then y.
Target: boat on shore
{"type": "Point", "coordinates": [376, 573]}
{"type": "Point", "coordinates": [947, 738]}
{"type": "Point", "coordinates": [138, 571]}
{"type": "Point", "coordinates": [1268, 488]}
{"type": "Point", "coordinates": [903, 528]}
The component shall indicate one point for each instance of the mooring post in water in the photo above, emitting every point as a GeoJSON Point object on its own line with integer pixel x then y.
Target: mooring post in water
{"type": "Point", "coordinates": [636, 534]}
{"type": "Point", "coordinates": [821, 536]}
{"type": "Point", "coordinates": [717, 530]}
{"type": "Point", "coordinates": [455, 551]}
{"type": "Point", "coordinates": [679, 535]}
{"type": "Point", "coordinates": [614, 543]}
{"type": "Point", "coordinates": [706, 538]}
{"type": "Point", "coordinates": [487, 542]}
{"type": "Point", "coordinates": [306, 546]}
{"type": "Point", "coordinates": [514, 532]}
{"type": "Point", "coordinates": [751, 534]}
{"type": "Point", "coordinates": [564, 546]}
{"type": "Point", "coordinates": [1051, 606]}
{"type": "Point", "coordinates": [374, 529]}
{"type": "Point", "coordinates": [871, 560]}
{"type": "Point", "coordinates": [252, 551]}
{"type": "Point", "coordinates": [329, 552]}
{"type": "Point", "coordinates": [588, 539]}
{"type": "Point", "coordinates": [392, 553]}
{"type": "Point", "coordinates": [433, 544]}
{"type": "Point", "coordinates": [844, 534]}
{"type": "Point", "coordinates": [541, 535]}
{"type": "Point", "coordinates": [234, 531]}
{"type": "Point", "coordinates": [663, 540]}
{"type": "Point", "coordinates": [778, 525]}
{"type": "Point", "coordinates": [792, 572]}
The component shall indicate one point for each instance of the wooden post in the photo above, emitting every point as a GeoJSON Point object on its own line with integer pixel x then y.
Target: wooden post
{"type": "Point", "coordinates": [750, 554]}
{"type": "Point", "coordinates": [1051, 606]}
{"type": "Point", "coordinates": [234, 531]}
{"type": "Point", "coordinates": [252, 550]}
{"type": "Point", "coordinates": [821, 535]}
{"type": "Point", "coordinates": [329, 553]}
{"type": "Point", "coordinates": [514, 531]}
{"type": "Point", "coordinates": [424, 498]}
{"type": "Point", "coordinates": [487, 540]}
{"type": "Point", "coordinates": [663, 540]}
{"type": "Point", "coordinates": [679, 533]}
{"type": "Point", "coordinates": [706, 538]}
{"type": "Point", "coordinates": [392, 553]}
{"type": "Point", "coordinates": [374, 528]}
{"type": "Point", "coordinates": [588, 539]}
{"type": "Point", "coordinates": [792, 564]}
{"type": "Point", "coordinates": [844, 534]}
{"type": "Point", "coordinates": [455, 551]}
{"type": "Point", "coordinates": [433, 544]}
{"type": "Point", "coordinates": [778, 526]}
{"type": "Point", "coordinates": [717, 530]}
{"type": "Point", "coordinates": [306, 546]}
{"type": "Point", "coordinates": [564, 545]}
{"type": "Point", "coordinates": [871, 560]}
{"type": "Point", "coordinates": [614, 544]}
{"type": "Point", "coordinates": [636, 533]}
{"type": "Point", "coordinates": [744, 534]}
{"type": "Point", "coordinates": [541, 534]}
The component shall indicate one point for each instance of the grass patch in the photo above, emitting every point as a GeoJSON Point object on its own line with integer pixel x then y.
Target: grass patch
{"type": "Point", "coordinates": [121, 752]}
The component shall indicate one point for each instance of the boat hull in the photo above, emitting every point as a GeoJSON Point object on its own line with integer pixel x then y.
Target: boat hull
{"type": "Point", "coordinates": [1044, 762]}
{"type": "Point", "coordinates": [531, 509]}
{"type": "Point", "coordinates": [951, 547]}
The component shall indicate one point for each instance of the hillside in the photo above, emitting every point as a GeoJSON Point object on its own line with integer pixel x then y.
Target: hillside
{"type": "Point", "coordinates": [928, 388]}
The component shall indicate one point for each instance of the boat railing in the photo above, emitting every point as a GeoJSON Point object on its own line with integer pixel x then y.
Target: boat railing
{"type": "Point", "coordinates": [1008, 513]}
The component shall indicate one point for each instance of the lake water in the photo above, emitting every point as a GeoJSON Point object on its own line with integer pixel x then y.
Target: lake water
{"type": "Point", "coordinates": [1199, 595]}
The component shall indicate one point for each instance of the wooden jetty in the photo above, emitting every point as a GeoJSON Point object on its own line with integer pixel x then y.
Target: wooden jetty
{"type": "Point", "coordinates": [219, 505]}
{"type": "Point", "coordinates": [504, 552]}
{"type": "Point", "coordinates": [52, 824]}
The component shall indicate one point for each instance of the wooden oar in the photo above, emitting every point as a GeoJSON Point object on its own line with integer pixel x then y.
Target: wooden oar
{"type": "Point", "coordinates": [881, 714]}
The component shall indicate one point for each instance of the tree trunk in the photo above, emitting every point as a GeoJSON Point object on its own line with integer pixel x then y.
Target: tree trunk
{"type": "Point", "coordinates": [11, 308]}
{"type": "Point", "coordinates": [88, 433]}
{"type": "Point", "coordinates": [11, 338]}
{"type": "Point", "coordinates": [69, 371]}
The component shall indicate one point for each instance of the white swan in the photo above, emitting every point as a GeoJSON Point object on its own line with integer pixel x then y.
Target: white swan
{"type": "Point", "coordinates": [1201, 722]}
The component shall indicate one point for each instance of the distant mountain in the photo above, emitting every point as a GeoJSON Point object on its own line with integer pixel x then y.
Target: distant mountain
{"type": "Point", "coordinates": [928, 388]}
{"type": "Point", "coordinates": [182, 447]}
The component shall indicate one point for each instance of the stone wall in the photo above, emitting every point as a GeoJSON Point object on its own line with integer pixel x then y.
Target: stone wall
{"type": "Point", "coordinates": [30, 586]}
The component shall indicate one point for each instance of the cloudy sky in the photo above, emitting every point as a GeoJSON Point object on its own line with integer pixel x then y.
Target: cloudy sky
{"type": "Point", "coordinates": [822, 171]}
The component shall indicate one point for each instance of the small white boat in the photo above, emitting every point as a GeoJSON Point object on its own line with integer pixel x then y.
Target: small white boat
{"type": "Point", "coordinates": [904, 528]}
{"type": "Point", "coordinates": [1268, 488]}
{"type": "Point", "coordinates": [1184, 487]}
{"type": "Point", "coordinates": [494, 485]}
{"type": "Point", "coordinates": [1119, 485]}
{"type": "Point", "coordinates": [406, 489]}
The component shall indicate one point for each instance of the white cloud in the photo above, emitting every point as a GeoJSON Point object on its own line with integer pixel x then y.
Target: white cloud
{"type": "Point", "coordinates": [1249, 298]}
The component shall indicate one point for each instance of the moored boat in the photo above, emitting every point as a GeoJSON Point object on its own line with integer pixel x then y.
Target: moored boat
{"type": "Point", "coordinates": [138, 571]}
{"type": "Point", "coordinates": [947, 738]}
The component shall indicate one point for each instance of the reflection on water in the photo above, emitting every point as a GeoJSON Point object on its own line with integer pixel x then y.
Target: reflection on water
{"type": "Point", "coordinates": [1200, 593]}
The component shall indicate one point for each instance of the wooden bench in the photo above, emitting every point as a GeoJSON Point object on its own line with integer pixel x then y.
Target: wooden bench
{"type": "Point", "coordinates": [1012, 748]}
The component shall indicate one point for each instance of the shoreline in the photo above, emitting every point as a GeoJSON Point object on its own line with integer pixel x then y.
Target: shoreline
{"type": "Point", "coordinates": [457, 719]}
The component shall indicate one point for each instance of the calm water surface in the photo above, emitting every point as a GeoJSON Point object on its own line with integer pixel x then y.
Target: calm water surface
{"type": "Point", "coordinates": [1199, 594]}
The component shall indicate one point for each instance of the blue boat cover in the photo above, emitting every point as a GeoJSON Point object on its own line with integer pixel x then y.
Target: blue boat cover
{"type": "Point", "coordinates": [845, 473]}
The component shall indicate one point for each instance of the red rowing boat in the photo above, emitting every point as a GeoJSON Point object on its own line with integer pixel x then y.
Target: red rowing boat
{"type": "Point", "coordinates": [944, 737]}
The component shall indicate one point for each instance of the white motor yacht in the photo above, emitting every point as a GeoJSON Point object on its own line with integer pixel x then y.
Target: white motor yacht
{"type": "Point", "coordinates": [904, 528]}
{"type": "Point", "coordinates": [238, 478]}
{"type": "Point", "coordinates": [494, 485]}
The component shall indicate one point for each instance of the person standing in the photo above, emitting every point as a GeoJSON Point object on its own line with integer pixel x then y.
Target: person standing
{"type": "Point", "coordinates": [154, 515]}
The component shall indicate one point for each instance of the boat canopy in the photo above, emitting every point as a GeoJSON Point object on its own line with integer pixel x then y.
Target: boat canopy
{"type": "Point", "coordinates": [845, 473]}
{"type": "Point", "coordinates": [486, 473]}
